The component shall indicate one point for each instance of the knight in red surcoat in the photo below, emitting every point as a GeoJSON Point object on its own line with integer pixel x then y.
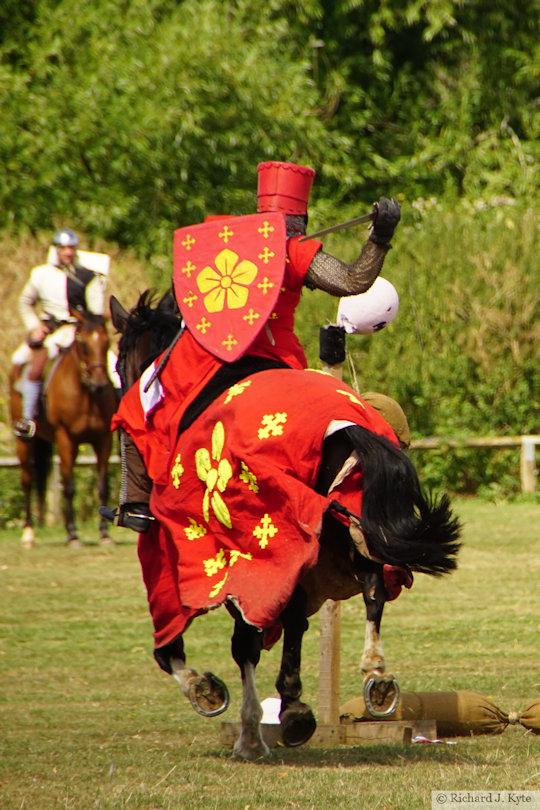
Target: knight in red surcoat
{"type": "Point", "coordinates": [151, 420]}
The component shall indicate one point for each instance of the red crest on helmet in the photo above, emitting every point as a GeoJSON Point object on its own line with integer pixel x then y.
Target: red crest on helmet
{"type": "Point", "coordinates": [227, 277]}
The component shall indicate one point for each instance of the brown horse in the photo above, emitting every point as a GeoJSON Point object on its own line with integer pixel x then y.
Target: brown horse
{"type": "Point", "coordinates": [78, 403]}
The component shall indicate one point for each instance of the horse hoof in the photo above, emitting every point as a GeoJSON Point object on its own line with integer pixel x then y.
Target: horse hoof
{"type": "Point", "coordinates": [208, 695]}
{"type": "Point", "coordinates": [28, 537]}
{"type": "Point", "coordinates": [381, 695]}
{"type": "Point", "coordinates": [74, 542]}
{"type": "Point", "coordinates": [250, 753]}
{"type": "Point", "coordinates": [107, 541]}
{"type": "Point", "coordinates": [297, 725]}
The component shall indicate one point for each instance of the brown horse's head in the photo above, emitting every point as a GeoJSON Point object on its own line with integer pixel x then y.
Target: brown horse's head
{"type": "Point", "coordinates": [92, 345]}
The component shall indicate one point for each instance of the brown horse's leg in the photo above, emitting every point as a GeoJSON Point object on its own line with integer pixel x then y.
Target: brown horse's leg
{"type": "Point", "coordinates": [67, 451]}
{"type": "Point", "coordinates": [102, 450]}
{"type": "Point", "coordinates": [296, 718]}
{"type": "Point", "coordinates": [381, 691]}
{"type": "Point", "coordinates": [24, 454]}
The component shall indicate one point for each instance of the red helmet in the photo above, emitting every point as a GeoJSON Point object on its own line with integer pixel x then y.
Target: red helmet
{"type": "Point", "coordinates": [284, 187]}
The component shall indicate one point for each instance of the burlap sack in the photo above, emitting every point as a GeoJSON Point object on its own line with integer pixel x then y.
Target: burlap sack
{"type": "Point", "coordinates": [529, 717]}
{"type": "Point", "coordinates": [457, 714]}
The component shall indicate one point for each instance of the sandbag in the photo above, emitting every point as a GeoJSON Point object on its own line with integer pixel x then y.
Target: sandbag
{"type": "Point", "coordinates": [457, 714]}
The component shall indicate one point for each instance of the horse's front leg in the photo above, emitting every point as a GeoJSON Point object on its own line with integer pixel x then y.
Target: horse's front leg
{"type": "Point", "coordinates": [24, 453]}
{"type": "Point", "coordinates": [67, 451]}
{"type": "Point", "coordinates": [296, 718]}
{"type": "Point", "coordinates": [207, 693]}
{"type": "Point", "coordinates": [246, 646]}
{"type": "Point", "coordinates": [381, 691]}
{"type": "Point", "coordinates": [102, 450]}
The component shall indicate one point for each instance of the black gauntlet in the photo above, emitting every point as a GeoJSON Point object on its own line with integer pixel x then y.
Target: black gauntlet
{"type": "Point", "coordinates": [387, 215]}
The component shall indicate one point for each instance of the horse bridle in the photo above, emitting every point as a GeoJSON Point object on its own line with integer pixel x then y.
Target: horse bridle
{"type": "Point", "coordinates": [86, 368]}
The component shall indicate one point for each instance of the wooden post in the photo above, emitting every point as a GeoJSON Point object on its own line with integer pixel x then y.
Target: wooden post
{"type": "Point", "coordinates": [528, 464]}
{"type": "Point", "coordinates": [332, 354]}
{"type": "Point", "coordinates": [329, 662]}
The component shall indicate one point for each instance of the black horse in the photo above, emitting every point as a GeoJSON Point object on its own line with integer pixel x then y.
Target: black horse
{"type": "Point", "coordinates": [399, 526]}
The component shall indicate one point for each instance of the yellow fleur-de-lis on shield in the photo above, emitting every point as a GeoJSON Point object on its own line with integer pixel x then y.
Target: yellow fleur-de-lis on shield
{"type": "Point", "coordinates": [216, 478]}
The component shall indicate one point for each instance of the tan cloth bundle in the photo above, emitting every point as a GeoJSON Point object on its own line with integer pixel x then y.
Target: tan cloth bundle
{"type": "Point", "coordinates": [457, 714]}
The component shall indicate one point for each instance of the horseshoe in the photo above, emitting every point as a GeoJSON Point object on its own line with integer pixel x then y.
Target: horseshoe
{"type": "Point", "coordinates": [209, 690]}
{"type": "Point", "coordinates": [376, 711]}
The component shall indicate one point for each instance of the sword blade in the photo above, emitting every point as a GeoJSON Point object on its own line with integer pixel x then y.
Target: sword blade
{"type": "Point", "coordinates": [348, 224]}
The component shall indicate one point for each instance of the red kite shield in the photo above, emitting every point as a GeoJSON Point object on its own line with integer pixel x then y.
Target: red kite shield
{"type": "Point", "coordinates": [227, 277]}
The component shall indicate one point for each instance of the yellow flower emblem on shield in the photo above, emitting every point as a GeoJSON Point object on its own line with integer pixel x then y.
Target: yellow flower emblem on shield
{"type": "Point", "coordinates": [215, 478]}
{"type": "Point", "coordinates": [226, 284]}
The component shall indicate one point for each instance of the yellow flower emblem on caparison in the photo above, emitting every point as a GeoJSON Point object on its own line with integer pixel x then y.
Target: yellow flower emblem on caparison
{"type": "Point", "coordinates": [216, 478]}
{"type": "Point", "coordinates": [225, 286]}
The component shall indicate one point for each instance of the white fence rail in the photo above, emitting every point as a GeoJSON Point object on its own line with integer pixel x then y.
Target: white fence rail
{"type": "Point", "coordinates": [526, 444]}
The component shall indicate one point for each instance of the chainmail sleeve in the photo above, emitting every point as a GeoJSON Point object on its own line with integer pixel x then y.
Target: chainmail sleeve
{"type": "Point", "coordinates": [339, 278]}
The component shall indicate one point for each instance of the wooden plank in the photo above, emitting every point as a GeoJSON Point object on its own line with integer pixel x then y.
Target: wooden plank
{"type": "Point", "coordinates": [364, 732]}
{"type": "Point", "coordinates": [400, 732]}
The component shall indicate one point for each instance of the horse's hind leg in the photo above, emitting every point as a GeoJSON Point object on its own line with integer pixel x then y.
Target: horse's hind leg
{"type": "Point", "coordinates": [246, 648]}
{"type": "Point", "coordinates": [207, 693]}
{"type": "Point", "coordinates": [381, 691]}
{"type": "Point", "coordinates": [296, 718]}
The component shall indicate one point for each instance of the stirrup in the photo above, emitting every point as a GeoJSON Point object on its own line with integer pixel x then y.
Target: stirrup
{"type": "Point", "coordinates": [24, 428]}
{"type": "Point", "coordinates": [135, 516]}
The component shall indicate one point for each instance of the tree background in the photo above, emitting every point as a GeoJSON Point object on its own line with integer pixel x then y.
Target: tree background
{"type": "Point", "coordinates": [129, 118]}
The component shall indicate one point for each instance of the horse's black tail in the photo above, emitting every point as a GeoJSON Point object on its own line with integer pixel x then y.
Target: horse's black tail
{"type": "Point", "coordinates": [402, 525]}
{"type": "Point", "coordinates": [42, 467]}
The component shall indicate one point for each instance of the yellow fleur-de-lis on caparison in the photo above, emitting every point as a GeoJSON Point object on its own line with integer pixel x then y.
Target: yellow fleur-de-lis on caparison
{"type": "Point", "coordinates": [216, 478]}
{"type": "Point", "coordinates": [226, 284]}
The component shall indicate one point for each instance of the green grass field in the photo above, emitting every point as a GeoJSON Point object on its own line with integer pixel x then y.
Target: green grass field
{"type": "Point", "coordinates": [89, 721]}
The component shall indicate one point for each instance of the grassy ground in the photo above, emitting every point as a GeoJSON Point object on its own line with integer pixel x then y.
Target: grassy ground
{"type": "Point", "coordinates": [89, 721]}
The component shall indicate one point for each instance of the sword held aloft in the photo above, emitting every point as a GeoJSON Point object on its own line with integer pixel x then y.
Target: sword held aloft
{"type": "Point", "coordinates": [341, 226]}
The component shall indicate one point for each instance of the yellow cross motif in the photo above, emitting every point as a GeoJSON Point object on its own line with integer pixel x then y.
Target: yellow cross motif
{"type": "Point", "coordinates": [351, 396]}
{"type": "Point", "coordinates": [251, 316]}
{"type": "Point", "coordinates": [248, 478]}
{"type": "Point", "coordinates": [204, 325]}
{"type": "Point", "coordinates": [272, 425]}
{"type": "Point", "coordinates": [264, 530]}
{"type": "Point", "coordinates": [215, 564]}
{"type": "Point", "coordinates": [188, 242]}
{"type": "Point", "coordinates": [236, 390]}
{"type": "Point", "coordinates": [266, 255]}
{"type": "Point", "coordinates": [189, 268]}
{"type": "Point", "coordinates": [229, 343]}
{"type": "Point", "coordinates": [266, 229]}
{"type": "Point", "coordinates": [177, 472]}
{"type": "Point", "coordinates": [195, 530]}
{"type": "Point", "coordinates": [190, 299]}
{"type": "Point", "coordinates": [226, 234]}
{"type": "Point", "coordinates": [265, 285]}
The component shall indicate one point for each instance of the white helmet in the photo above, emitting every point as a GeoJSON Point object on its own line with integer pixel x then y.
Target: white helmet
{"type": "Point", "coordinates": [65, 238]}
{"type": "Point", "coordinates": [370, 311]}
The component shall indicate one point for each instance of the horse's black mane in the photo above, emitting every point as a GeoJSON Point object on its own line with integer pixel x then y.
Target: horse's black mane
{"type": "Point", "coordinates": [159, 317]}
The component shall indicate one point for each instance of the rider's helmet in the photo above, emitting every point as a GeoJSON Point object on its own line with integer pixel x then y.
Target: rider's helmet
{"type": "Point", "coordinates": [284, 187]}
{"type": "Point", "coordinates": [65, 238]}
{"type": "Point", "coordinates": [370, 311]}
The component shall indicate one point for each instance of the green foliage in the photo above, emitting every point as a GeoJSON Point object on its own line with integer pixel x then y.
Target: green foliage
{"type": "Point", "coordinates": [462, 355]}
{"type": "Point", "coordinates": [129, 118]}
{"type": "Point", "coordinates": [132, 118]}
